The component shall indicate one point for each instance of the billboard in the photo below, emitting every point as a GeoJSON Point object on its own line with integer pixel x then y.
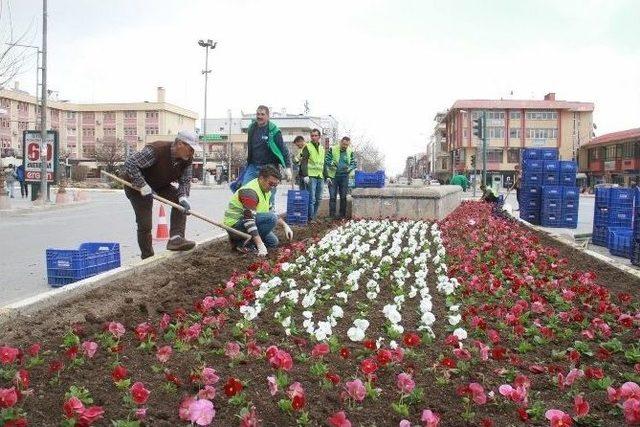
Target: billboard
{"type": "Point", "coordinates": [31, 152]}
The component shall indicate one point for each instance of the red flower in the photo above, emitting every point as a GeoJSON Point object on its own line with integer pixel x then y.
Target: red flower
{"type": "Point", "coordinates": [523, 414]}
{"type": "Point", "coordinates": [22, 379]}
{"type": "Point", "coordinates": [384, 356]}
{"type": "Point", "coordinates": [580, 406]}
{"type": "Point", "coordinates": [320, 350]}
{"type": "Point", "coordinates": [558, 418]}
{"type": "Point", "coordinates": [339, 419]}
{"type": "Point", "coordinates": [411, 339]}
{"type": "Point", "coordinates": [91, 415]}
{"type": "Point", "coordinates": [119, 373]}
{"type": "Point", "coordinates": [139, 394]}
{"type": "Point", "coordinates": [345, 353]}
{"type": "Point", "coordinates": [232, 387]}
{"type": "Point", "coordinates": [498, 352]}
{"type": "Point", "coordinates": [72, 352]}
{"type": "Point", "coordinates": [34, 350]}
{"type": "Point", "coordinates": [297, 402]}
{"type": "Point", "coordinates": [368, 366]}
{"type": "Point", "coordinates": [8, 397]}
{"type": "Point", "coordinates": [369, 344]}
{"type": "Point", "coordinates": [448, 363]}
{"type": "Point", "coordinates": [281, 360]}
{"type": "Point", "coordinates": [19, 422]}
{"type": "Point", "coordinates": [594, 373]}
{"type": "Point", "coordinates": [334, 378]}
{"type": "Point", "coordinates": [271, 351]}
{"type": "Point", "coordinates": [55, 366]}
{"type": "Point", "coordinates": [8, 355]}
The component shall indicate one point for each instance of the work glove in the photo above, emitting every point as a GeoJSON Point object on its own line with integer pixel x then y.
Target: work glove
{"type": "Point", "coordinates": [184, 202]}
{"type": "Point", "coordinates": [146, 190]}
{"type": "Point", "coordinates": [262, 249]}
{"type": "Point", "coordinates": [306, 180]}
{"type": "Point", "coordinates": [287, 174]}
{"type": "Point", "coordinates": [329, 182]}
{"type": "Point", "coordinates": [288, 232]}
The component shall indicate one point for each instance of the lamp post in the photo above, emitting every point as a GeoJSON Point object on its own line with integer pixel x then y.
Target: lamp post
{"type": "Point", "coordinates": [208, 44]}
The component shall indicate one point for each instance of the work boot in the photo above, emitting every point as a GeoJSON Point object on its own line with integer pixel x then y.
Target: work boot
{"type": "Point", "coordinates": [179, 243]}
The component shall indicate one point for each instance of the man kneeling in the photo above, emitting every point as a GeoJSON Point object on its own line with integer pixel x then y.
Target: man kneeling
{"type": "Point", "coordinates": [249, 211]}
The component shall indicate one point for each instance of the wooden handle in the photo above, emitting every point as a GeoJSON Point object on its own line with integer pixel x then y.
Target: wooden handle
{"type": "Point", "coordinates": [177, 206]}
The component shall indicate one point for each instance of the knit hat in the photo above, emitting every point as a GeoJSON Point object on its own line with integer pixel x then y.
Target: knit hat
{"type": "Point", "coordinates": [190, 138]}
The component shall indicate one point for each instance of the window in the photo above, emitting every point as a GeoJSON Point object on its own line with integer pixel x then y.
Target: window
{"type": "Point", "coordinates": [475, 115]}
{"type": "Point", "coordinates": [130, 131]}
{"type": "Point", "coordinates": [495, 115]}
{"type": "Point", "coordinates": [109, 116]}
{"type": "Point", "coordinates": [151, 114]}
{"type": "Point", "coordinates": [542, 115]}
{"type": "Point", "coordinates": [514, 133]}
{"type": "Point", "coordinates": [109, 131]}
{"type": "Point", "coordinates": [130, 114]}
{"type": "Point", "coordinates": [514, 115]}
{"type": "Point", "coordinates": [71, 115]}
{"type": "Point", "coordinates": [88, 132]}
{"type": "Point", "coordinates": [71, 131]}
{"type": "Point", "coordinates": [513, 155]}
{"type": "Point", "coordinates": [4, 123]}
{"type": "Point", "coordinates": [610, 153]}
{"type": "Point", "coordinates": [494, 156]}
{"type": "Point", "coordinates": [23, 125]}
{"type": "Point", "coordinates": [495, 132]}
{"type": "Point", "coordinates": [542, 133]}
{"type": "Point", "coordinates": [151, 130]}
{"type": "Point", "coordinates": [5, 103]}
{"type": "Point", "coordinates": [465, 133]}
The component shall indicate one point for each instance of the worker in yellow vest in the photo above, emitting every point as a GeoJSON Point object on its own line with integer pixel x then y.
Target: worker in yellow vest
{"type": "Point", "coordinates": [312, 171]}
{"type": "Point", "coordinates": [249, 211]}
{"type": "Point", "coordinates": [341, 164]}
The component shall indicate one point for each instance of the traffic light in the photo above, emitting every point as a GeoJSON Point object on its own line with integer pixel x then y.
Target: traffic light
{"type": "Point", "coordinates": [473, 161]}
{"type": "Point", "coordinates": [478, 126]}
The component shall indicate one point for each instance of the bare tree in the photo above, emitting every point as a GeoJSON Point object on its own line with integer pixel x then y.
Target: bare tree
{"type": "Point", "coordinates": [109, 155]}
{"type": "Point", "coordinates": [12, 56]}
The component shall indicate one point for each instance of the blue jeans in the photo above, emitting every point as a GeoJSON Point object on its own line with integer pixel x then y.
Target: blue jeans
{"type": "Point", "coordinates": [265, 222]}
{"type": "Point", "coordinates": [251, 173]}
{"type": "Point", "coordinates": [315, 194]}
{"type": "Point", "coordinates": [339, 186]}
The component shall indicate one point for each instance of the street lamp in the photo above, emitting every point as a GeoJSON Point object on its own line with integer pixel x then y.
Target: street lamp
{"type": "Point", "coordinates": [209, 44]}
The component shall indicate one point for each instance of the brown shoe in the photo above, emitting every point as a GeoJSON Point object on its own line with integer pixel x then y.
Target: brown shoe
{"type": "Point", "coordinates": [180, 244]}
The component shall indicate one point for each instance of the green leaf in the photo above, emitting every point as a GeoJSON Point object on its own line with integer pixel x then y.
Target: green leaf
{"type": "Point", "coordinates": [81, 393]}
{"type": "Point", "coordinates": [601, 384]}
{"type": "Point", "coordinates": [401, 409]}
{"type": "Point", "coordinates": [285, 405]}
{"type": "Point", "coordinates": [70, 339]}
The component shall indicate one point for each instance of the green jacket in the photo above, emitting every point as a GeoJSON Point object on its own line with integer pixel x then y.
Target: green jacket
{"type": "Point", "coordinates": [271, 142]}
{"type": "Point", "coordinates": [460, 180]}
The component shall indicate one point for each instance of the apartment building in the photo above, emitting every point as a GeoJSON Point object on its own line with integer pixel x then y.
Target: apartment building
{"type": "Point", "coordinates": [440, 149]}
{"type": "Point", "coordinates": [613, 158]}
{"type": "Point", "coordinates": [513, 125]}
{"type": "Point", "coordinates": [82, 128]}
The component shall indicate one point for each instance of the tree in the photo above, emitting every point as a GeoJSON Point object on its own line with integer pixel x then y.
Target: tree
{"type": "Point", "coordinates": [368, 156]}
{"type": "Point", "coordinates": [108, 155]}
{"type": "Point", "coordinates": [12, 57]}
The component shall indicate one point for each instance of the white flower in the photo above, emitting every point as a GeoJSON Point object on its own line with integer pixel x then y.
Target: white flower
{"type": "Point", "coordinates": [397, 328]}
{"type": "Point", "coordinates": [454, 307]}
{"type": "Point", "coordinates": [393, 344]}
{"type": "Point", "coordinates": [426, 305]}
{"type": "Point", "coordinates": [286, 322]}
{"type": "Point", "coordinates": [372, 295]}
{"type": "Point", "coordinates": [342, 295]}
{"type": "Point", "coordinates": [428, 318]}
{"type": "Point", "coordinates": [336, 311]}
{"type": "Point", "coordinates": [460, 333]}
{"type": "Point", "coordinates": [248, 312]}
{"type": "Point", "coordinates": [454, 319]}
{"type": "Point", "coordinates": [307, 314]}
{"type": "Point", "coordinates": [355, 334]}
{"type": "Point", "coordinates": [361, 324]}
{"type": "Point", "coordinates": [285, 266]}
{"type": "Point", "coordinates": [309, 300]}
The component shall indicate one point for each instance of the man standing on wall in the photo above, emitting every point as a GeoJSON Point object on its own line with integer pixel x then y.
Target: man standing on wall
{"type": "Point", "coordinates": [312, 171]}
{"type": "Point", "coordinates": [341, 164]}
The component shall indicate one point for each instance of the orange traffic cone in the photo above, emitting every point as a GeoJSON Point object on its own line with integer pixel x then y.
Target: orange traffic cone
{"type": "Point", "coordinates": [162, 229]}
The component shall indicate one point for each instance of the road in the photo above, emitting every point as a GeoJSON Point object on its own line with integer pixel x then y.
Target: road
{"type": "Point", "coordinates": [108, 217]}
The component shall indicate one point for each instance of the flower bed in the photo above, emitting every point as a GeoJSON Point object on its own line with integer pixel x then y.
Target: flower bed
{"type": "Point", "coordinates": [386, 322]}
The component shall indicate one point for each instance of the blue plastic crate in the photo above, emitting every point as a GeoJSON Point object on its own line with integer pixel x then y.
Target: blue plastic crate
{"type": "Point", "coordinates": [552, 191]}
{"type": "Point", "coordinates": [548, 219]}
{"type": "Point", "coordinates": [601, 216]}
{"type": "Point", "coordinates": [570, 193]}
{"type": "Point", "coordinates": [531, 154]}
{"type": "Point", "coordinates": [568, 166]}
{"type": "Point", "coordinates": [531, 191]}
{"type": "Point", "coordinates": [531, 179]}
{"type": "Point", "coordinates": [570, 206]}
{"type": "Point", "coordinates": [551, 166]}
{"type": "Point", "coordinates": [532, 165]}
{"type": "Point", "coordinates": [550, 178]}
{"type": "Point", "coordinates": [621, 217]}
{"type": "Point", "coordinates": [531, 217]}
{"type": "Point", "coordinates": [297, 218]}
{"type": "Point", "coordinates": [635, 253]}
{"type": "Point", "coordinates": [567, 178]}
{"type": "Point", "coordinates": [619, 241]}
{"type": "Point", "coordinates": [66, 266]}
{"type": "Point", "coordinates": [570, 219]}
{"type": "Point", "coordinates": [602, 196]}
{"type": "Point", "coordinates": [552, 205]}
{"type": "Point", "coordinates": [549, 154]}
{"type": "Point", "coordinates": [600, 235]}
{"type": "Point", "coordinates": [370, 179]}
{"type": "Point", "coordinates": [530, 203]}
{"type": "Point", "coordinates": [297, 196]}
{"type": "Point", "coordinates": [621, 197]}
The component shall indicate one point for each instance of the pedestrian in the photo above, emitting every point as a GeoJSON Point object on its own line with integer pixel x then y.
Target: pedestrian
{"type": "Point", "coordinates": [10, 179]}
{"type": "Point", "coordinates": [152, 170]}
{"type": "Point", "coordinates": [460, 180]}
{"type": "Point", "coordinates": [265, 147]}
{"type": "Point", "coordinates": [298, 141]}
{"type": "Point", "coordinates": [341, 164]}
{"type": "Point", "coordinates": [250, 211]}
{"type": "Point", "coordinates": [24, 189]}
{"type": "Point", "coordinates": [313, 171]}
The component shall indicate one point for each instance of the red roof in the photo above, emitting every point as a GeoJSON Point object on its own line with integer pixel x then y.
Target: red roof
{"type": "Point", "coordinates": [514, 104]}
{"type": "Point", "coordinates": [623, 135]}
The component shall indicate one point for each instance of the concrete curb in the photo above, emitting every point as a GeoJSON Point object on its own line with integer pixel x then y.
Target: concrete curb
{"type": "Point", "coordinates": [40, 208]}
{"type": "Point", "coordinates": [565, 241]}
{"type": "Point", "coordinates": [30, 306]}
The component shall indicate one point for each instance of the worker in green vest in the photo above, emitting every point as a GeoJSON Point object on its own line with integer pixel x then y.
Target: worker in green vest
{"type": "Point", "coordinates": [341, 164]}
{"type": "Point", "coordinates": [312, 171]}
{"type": "Point", "coordinates": [460, 180]}
{"type": "Point", "coordinates": [249, 211]}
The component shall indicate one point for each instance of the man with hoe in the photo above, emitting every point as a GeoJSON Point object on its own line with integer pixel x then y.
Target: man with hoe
{"type": "Point", "coordinates": [153, 169]}
{"type": "Point", "coordinates": [250, 211]}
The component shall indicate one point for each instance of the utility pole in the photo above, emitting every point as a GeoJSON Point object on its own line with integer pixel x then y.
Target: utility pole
{"type": "Point", "coordinates": [43, 113]}
{"type": "Point", "coordinates": [484, 147]}
{"type": "Point", "coordinates": [206, 45]}
{"type": "Point", "coordinates": [229, 147]}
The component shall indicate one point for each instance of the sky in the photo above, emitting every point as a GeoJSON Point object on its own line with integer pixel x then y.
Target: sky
{"type": "Point", "coordinates": [383, 68]}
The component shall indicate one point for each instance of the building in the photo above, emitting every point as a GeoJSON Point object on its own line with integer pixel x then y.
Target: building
{"type": "Point", "coordinates": [440, 149]}
{"type": "Point", "coordinates": [613, 158]}
{"type": "Point", "coordinates": [83, 128]}
{"type": "Point", "coordinates": [511, 126]}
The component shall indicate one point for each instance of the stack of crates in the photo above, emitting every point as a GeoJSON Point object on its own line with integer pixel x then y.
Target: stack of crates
{"type": "Point", "coordinates": [634, 251]}
{"type": "Point", "coordinates": [619, 241]}
{"type": "Point", "coordinates": [600, 234]}
{"type": "Point", "coordinates": [548, 195]}
{"type": "Point", "coordinates": [369, 179]}
{"type": "Point", "coordinates": [66, 266]}
{"type": "Point", "coordinates": [297, 207]}
{"type": "Point", "coordinates": [613, 219]}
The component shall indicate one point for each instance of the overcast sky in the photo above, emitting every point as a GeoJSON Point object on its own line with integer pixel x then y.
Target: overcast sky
{"type": "Point", "coordinates": [383, 68]}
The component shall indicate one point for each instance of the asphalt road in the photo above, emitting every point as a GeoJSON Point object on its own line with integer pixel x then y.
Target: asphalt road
{"type": "Point", "coordinates": [108, 217]}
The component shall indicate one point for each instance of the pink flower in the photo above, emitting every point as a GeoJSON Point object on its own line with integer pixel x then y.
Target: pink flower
{"type": "Point", "coordinates": [483, 350]}
{"type": "Point", "coordinates": [462, 353]}
{"type": "Point", "coordinates": [430, 419]}
{"type": "Point", "coordinates": [89, 348]}
{"type": "Point", "coordinates": [185, 406]}
{"type": "Point", "coordinates": [208, 392]}
{"type": "Point", "coordinates": [320, 350]}
{"type": "Point", "coordinates": [573, 375]}
{"type": "Point", "coordinates": [355, 390]}
{"type": "Point", "coordinates": [558, 418]}
{"type": "Point", "coordinates": [478, 394]}
{"type": "Point", "coordinates": [405, 383]}
{"type": "Point", "coordinates": [631, 408]}
{"type": "Point", "coordinates": [404, 423]}
{"type": "Point", "coordinates": [193, 332]}
{"type": "Point", "coordinates": [116, 329]}
{"type": "Point", "coordinates": [139, 393]}
{"type": "Point", "coordinates": [339, 419]}
{"type": "Point", "coordinates": [201, 412]}
{"type": "Point", "coordinates": [295, 389]}
{"type": "Point", "coordinates": [232, 350]}
{"type": "Point", "coordinates": [164, 353]}
{"type": "Point", "coordinates": [281, 360]}
{"type": "Point", "coordinates": [8, 355]}
{"type": "Point", "coordinates": [580, 406]}
{"type": "Point", "coordinates": [613, 395]}
{"type": "Point", "coordinates": [209, 376]}
{"type": "Point", "coordinates": [165, 321]}
{"type": "Point", "coordinates": [8, 397]}
{"type": "Point", "coordinates": [249, 418]}
{"type": "Point", "coordinates": [630, 390]}
{"type": "Point", "coordinates": [141, 413]}
{"type": "Point", "coordinates": [273, 385]}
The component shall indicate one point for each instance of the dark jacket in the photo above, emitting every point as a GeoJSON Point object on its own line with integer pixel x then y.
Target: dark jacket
{"type": "Point", "coordinates": [276, 152]}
